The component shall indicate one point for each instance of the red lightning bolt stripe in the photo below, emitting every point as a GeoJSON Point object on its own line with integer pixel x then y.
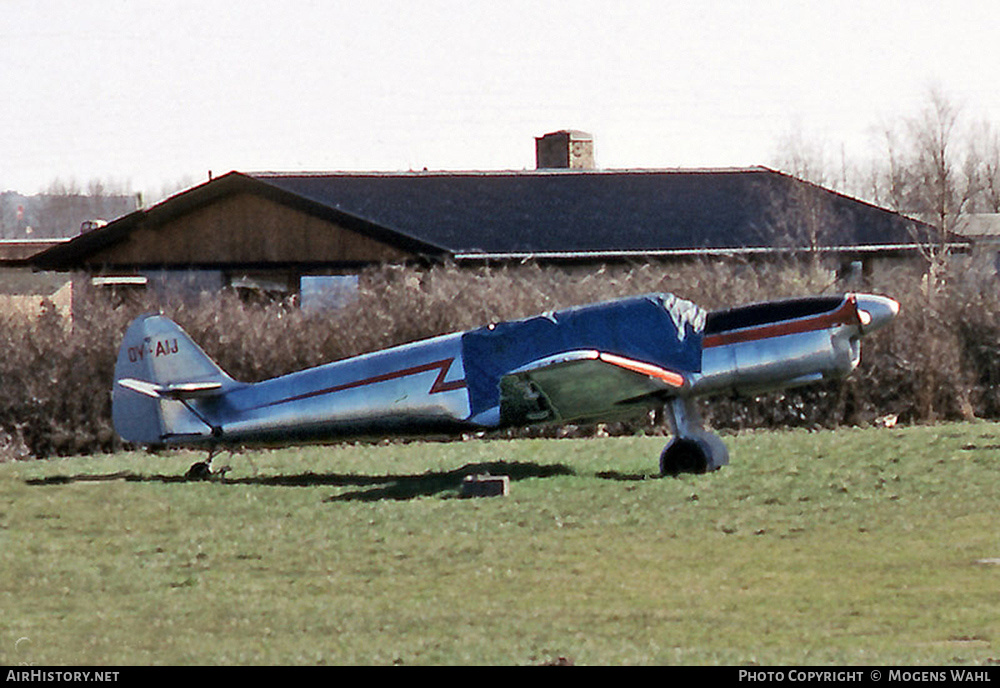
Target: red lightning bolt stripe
{"type": "Point", "coordinates": [439, 385]}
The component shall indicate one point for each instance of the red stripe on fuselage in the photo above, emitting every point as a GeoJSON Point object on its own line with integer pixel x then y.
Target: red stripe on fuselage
{"type": "Point", "coordinates": [439, 385]}
{"type": "Point", "coordinates": [845, 314]}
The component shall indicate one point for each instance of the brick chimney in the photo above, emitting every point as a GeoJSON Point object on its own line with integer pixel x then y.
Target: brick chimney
{"type": "Point", "coordinates": [566, 149]}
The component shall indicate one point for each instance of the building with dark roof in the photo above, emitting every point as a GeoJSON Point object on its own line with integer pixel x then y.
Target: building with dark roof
{"type": "Point", "coordinates": [275, 229]}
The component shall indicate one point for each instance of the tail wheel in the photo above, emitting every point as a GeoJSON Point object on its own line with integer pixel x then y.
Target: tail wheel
{"type": "Point", "coordinates": [199, 471]}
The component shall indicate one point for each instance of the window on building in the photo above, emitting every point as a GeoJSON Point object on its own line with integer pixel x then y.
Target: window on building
{"type": "Point", "coordinates": [325, 292]}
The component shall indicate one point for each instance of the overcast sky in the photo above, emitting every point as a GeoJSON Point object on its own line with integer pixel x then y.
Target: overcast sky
{"type": "Point", "coordinates": [153, 93]}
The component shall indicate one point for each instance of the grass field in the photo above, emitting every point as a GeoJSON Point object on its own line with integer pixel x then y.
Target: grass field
{"type": "Point", "coordinates": [870, 546]}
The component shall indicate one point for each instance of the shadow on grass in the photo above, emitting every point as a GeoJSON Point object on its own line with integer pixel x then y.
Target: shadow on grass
{"type": "Point", "coordinates": [628, 477]}
{"type": "Point", "coordinates": [371, 487]}
{"type": "Point", "coordinates": [404, 487]}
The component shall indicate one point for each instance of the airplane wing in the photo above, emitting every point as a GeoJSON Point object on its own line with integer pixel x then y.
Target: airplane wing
{"type": "Point", "coordinates": [583, 386]}
{"type": "Point", "coordinates": [559, 366]}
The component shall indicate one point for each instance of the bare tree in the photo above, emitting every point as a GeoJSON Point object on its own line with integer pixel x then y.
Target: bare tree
{"type": "Point", "coordinates": [930, 168]}
{"type": "Point", "coordinates": [935, 179]}
{"type": "Point", "coordinates": [933, 166]}
{"type": "Point", "coordinates": [942, 166]}
{"type": "Point", "coordinates": [889, 179]}
{"type": "Point", "coordinates": [61, 209]}
{"type": "Point", "coordinates": [986, 144]}
{"type": "Point", "coordinates": [803, 158]}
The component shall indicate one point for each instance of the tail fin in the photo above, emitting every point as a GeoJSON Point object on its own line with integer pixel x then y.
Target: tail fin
{"type": "Point", "coordinates": [159, 376]}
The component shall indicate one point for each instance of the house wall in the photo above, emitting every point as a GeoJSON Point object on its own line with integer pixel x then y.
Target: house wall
{"type": "Point", "coordinates": [243, 241]}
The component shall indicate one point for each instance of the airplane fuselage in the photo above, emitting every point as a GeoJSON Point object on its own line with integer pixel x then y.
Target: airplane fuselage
{"type": "Point", "coordinates": [418, 386]}
{"type": "Point", "coordinates": [427, 386]}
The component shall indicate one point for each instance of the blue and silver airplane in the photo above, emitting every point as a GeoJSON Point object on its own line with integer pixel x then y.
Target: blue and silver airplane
{"type": "Point", "coordinates": [597, 363]}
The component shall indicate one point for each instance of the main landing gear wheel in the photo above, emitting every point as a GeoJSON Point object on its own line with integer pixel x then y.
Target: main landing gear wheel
{"type": "Point", "coordinates": [693, 449]}
{"type": "Point", "coordinates": [701, 454]}
{"type": "Point", "coordinates": [683, 456]}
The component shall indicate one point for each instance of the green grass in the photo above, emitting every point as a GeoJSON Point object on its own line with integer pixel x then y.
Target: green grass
{"type": "Point", "coordinates": [847, 547]}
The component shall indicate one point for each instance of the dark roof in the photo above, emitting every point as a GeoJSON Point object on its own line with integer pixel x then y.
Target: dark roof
{"type": "Point", "coordinates": [574, 213]}
{"type": "Point", "coordinates": [547, 211]}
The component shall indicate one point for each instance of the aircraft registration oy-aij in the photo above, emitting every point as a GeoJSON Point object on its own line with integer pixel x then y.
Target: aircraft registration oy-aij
{"type": "Point", "coordinates": [595, 363]}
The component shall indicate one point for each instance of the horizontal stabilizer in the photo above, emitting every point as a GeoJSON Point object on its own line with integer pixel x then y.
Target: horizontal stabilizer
{"type": "Point", "coordinates": [179, 390]}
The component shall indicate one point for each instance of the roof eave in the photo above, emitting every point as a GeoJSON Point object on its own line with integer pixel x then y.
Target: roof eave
{"type": "Point", "coordinates": [482, 256]}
